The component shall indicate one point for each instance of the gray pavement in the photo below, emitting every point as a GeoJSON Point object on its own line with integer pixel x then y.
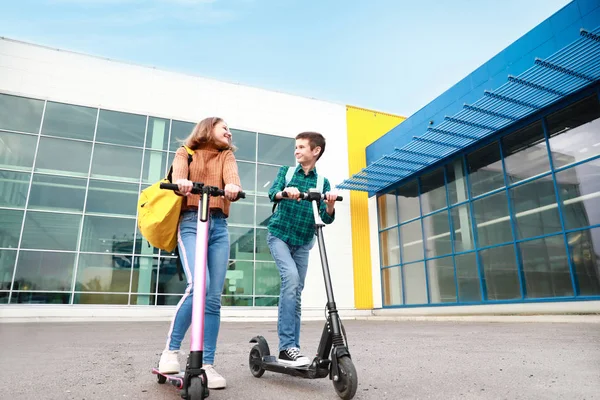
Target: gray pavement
{"type": "Point", "coordinates": [394, 360]}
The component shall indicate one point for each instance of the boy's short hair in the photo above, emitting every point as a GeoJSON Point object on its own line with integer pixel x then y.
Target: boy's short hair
{"type": "Point", "coordinates": [314, 139]}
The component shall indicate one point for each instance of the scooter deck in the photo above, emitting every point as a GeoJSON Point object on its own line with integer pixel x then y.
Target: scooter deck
{"type": "Point", "coordinates": [175, 379]}
{"type": "Point", "coordinates": [273, 361]}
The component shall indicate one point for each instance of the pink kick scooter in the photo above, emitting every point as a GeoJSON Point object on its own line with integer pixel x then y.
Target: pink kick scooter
{"type": "Point", "coordinates": [192, 382]}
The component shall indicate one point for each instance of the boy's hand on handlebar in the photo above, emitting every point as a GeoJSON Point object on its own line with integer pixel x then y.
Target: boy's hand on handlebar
{"type": "Point", "coordinates": [292, 193]}
{"type": "Point", "coordinates": [185, 186]}
{"type": "Point", "coordinates": [330, 199]}
{"type": "Point", "coordinates": [232, 191]}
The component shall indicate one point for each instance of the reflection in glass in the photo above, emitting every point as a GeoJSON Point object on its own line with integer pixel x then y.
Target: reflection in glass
{"type": "Point", "coordinates": [411, 236]}
{"type": "Point", "coordinates": [267, 279]}
{"type": "Point", "coordinates": [266, 176]}
{"type": "Point", "coordinates": [440, 274]}
{"type": "Point", "coordinates": [246, 144]}
{"type": "Point", "coordinates": [62, 156]}
{"type": "Point", "coordinates": [264, 210]}
{"type": "Point", "coordinates": [276, 150]}
{"type": "Point", "coordinates": [584, 248]}
{"type": "Point", "coordinates": [44, 230]}
{"type": "Point", "coordinates": [69, 121]}
{"type": "Point", "coordinates": [112, 198]}
{"type": "Point", "coordinates": [574, 132]}
{"type": "Point", "coordinates": [391, 279]}
{"type": "Point", "coordinates": [13, 188]}
{"type": "Point", "coordinates": [57, 193]}
{"type": "Point", "coordinates": [467, 278]}
{"type": "Point", "coordinates": [247, 172]}
{"type": "Point", "coordinates": [387, 211]}
{"type": "Point", "coordinates": [461, 224]}
{"type": "Point", "coordinates": [437, 234]}
{"type": "Point", "coordinates": [168, 300]}
{"type": "Point", "coordinates": [143, 280]}
{"type": "Point", "coordinates": [40, 298]}
{"type": "Point", "coordinates": [239, 278]}
{"type": "Point", "coordinates": [4, 297]}
{"type": "Point", "coordinates": [415, 285]}
{"type": "Point", "coordinates": [116, 163]}
{"type": "Point", "coordinates": [180, 130]}
{"type": "Point", "coordinates": [236, 301]}
{"type": "Point", "coordinates": [241, 243]}
{"type": "Point", "coordinates": [579, 189]}
{"type": "Point", "coordinates": [492, 219]}
{"type": "Point", "coordinates": [242, 212]}
{"type": "Point", "coordinates": [390, 251]}
{"type": "Point", "coordinates": [525, 153]}
{"type": "Point", "coordinates": [102, 273]}
{"type": "Point", "coordinates": [534, 206]}
{"type": "Point", "coordinates": [485, 169]}
{"type": "Point", "coordinates": [501, 276]}
{"type": "Point", "coordinates": [168, 278]}
{"type": "Point", "coordinates": [155, 166]}
{"type": "Point", "coordinates": [108, 235]}
{"type": "Point", "coordinates": [546, 267]}
{"type": "Point", "coordinates": [17, 151]}
{"type": "Point", "coordinates": [266, 301]}
{"type": "Point", "coordinates": [433, 191]}
{"type": "Point", "coordinates": [457, 184]}
{"type": "Point", "coordinates": [20, 113]}
{"type": "Point", "coordinates": [44, 270]}
{"type": "Point", "coordinates": [101, 298]}
{"type": "Point", "coordinates": [157, 137]}
{"type": "Point", "coordinates": [121, 128]}
{"type": "Point", "coordinates": [408, 201]}
{"type": "Point", "coordinates": [262, 249]}
{"type": "Point", "coordinates": [7, 267]}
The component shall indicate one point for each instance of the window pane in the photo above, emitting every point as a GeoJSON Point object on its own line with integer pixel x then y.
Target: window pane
{"type": "Point", "coordinates": [485, 170]}
{"type": "Point", "coordinates": [107, 235]}
{"type": "Point", "coordinates": [467, 278]}
{"type": "Point", "coordinates": [525, 153]}
{"type": "Point", "coordinates": [264, 210]}
{"type": "Point", "coordinates": [546, 267]}
{"type": "Point", "coordinates": [69, 121]}
{"type": "Point", "coordinates": [236, 301]}
{"type": "Point", "coordinates": [242, 211]}
{"type": "Point", "coordinates": [392, 286]}
{"type": "Point", "coordinates": [276, 150]}
{"type": "Point", "coordinates": [112, 198]}
{"type": "Point", "coordinates": [20, 113]}
{"type": "Point", "coordinates": [267, 279]}
{"type": "Point", "coordinates": [262, 249]}
{"type": "Point", "coordinates": [44, 270]}
{"type": "Point", "coordinates": [246, 144]}
{"type": "Point", "coordinates": [7, 267]}
{"type": "Point", "coordinates": [584, 247]}
{"type": "Point", "coordinates": [143, 280]}
{"type": "Point", "coordinates": [155, 166]}
{"type": "Point", "coordinates": [579, 189]}
{"type": "Point", "coordinates": [168, 300]}
{"type": "Point", "coordinates": [180, 130]}
{"type": "Point", "coordinates": [415, 286]}
{"type": "Point", "coordinates": [100, 273]}
{"type": "Point", "coordinates": [266, 301]}
{"type": "Point", "coordinates": [168, 278]}
{"type": "Point", "coordinates": [157, 137]}
{"type": "Point", "coordinates": [242, 243]}
{"type": "Point", "coordinates": [411, 236]}
{"type": "Point", "coordinates": [408, 201]}
{"type": "Point", "coordinates": [501, 276]}
{"type": "Point", "coordinates": [387, 211]}
{"type": "Point", "coordinates": [266, 176]}
{"type": "Point", "coordinates": [239, 278]}
{"type": "Point", "coordinates": [247, 173]}
{"type": "Point", "coordinates": [13, 188]}
{"type": "Point", "coordinates": [121, 128]}
{"type": "Point", "coordinates": [17, 151]}
{"type": "Point", "coordinates": [40, 298]}
{"type": "Point", "coordinates": [58, 156]}
{"type": "Point", "coordinates": [575, 132]}
{"type": "Point", "coordinates": [51, 231]}
{"type": "Point", "coordinates": [390, 251]}
{"type": "Point", "coordinates": [493, 221]}
{"type": "Point", "coordinates": [442, 287]}
{"type": "Point", "coordinates": [461, 223]}
{"type": "Point", "coordinates": [437, 234]}
{"type": "Point", "coordinates": [10, 228]}
{"type": "Point", "coordinates": [116, 163]}
{"type": "Point", "coordinates": [534, 205]}
{"type": "Point", "coordinates": [457, 184]}
{"type": "Point", "coordinates": [433, 191]}
{"type": "Point", "coordinates": [57, 193]}
{"type": "Point", "coordinates": [4, 297]}
{"type": "Point", "coordinates": [101, 298]}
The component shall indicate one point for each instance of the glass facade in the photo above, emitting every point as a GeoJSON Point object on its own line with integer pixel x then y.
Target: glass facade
{"type": "Point", "coordinates": [70, 177]}
{"type": "Point", "coordinates": [516, 219]}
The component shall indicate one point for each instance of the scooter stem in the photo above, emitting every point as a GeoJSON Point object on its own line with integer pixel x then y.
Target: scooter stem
{"type": "Point", "coordinates": [199, 297]}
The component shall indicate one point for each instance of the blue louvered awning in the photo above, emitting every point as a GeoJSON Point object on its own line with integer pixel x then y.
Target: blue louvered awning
{"type": "Point", "coordinates": [546, 82]}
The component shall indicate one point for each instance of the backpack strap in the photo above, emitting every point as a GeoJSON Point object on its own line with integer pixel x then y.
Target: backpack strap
{"type": "Point", "coordinates": [320, 183]}
{"type": "Point", "coordinates": [289, 175]}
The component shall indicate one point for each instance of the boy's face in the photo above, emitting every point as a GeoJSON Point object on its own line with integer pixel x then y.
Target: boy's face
{"type": "Point", "coordinates": [304, 154]}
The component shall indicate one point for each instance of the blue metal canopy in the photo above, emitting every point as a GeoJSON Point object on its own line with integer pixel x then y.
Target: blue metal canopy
{"type": "Point", "coordinates": [568, 70]}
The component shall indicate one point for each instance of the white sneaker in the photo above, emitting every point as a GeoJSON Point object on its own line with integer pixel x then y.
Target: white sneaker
{"type": "Point", "coordinates": [169, 362]}
{"type": "Point", "coordinates": [215, 380]}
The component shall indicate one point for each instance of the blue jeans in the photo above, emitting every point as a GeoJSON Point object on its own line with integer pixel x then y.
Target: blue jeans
{"type": "Point", "coordinates": [217, 259]}
{"type": "Point", "coordinates": [292, 262]}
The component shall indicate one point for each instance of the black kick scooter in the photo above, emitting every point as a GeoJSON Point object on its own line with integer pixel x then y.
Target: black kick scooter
{"type": "Point", "coordinates": [333, 358]}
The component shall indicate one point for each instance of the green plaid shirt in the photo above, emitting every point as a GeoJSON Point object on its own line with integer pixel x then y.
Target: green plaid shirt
{"type": "Point", "coordinates": [293, 221]}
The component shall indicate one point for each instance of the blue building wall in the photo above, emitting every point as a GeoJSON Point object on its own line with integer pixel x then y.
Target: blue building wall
{"type": "Point", "coordinates": [542, 41]}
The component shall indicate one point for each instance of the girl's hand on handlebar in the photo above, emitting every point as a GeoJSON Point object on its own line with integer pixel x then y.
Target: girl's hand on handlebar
{"type": "Point", "coordinates": [232, 191]}
{"type": "Point", "coordinates": [292, 193]}
{"type": "Point", "coordinates": [185, 186]}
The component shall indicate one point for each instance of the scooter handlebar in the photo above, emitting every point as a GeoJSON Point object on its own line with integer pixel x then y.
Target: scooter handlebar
{"type": "Point", "coordinates": [198, 187]}
{"type": "Point", "coordinates": [311, 196]}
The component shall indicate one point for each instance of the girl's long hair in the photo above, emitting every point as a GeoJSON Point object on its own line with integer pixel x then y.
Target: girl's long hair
{"type": "Point", "coordinates": [202, 134]}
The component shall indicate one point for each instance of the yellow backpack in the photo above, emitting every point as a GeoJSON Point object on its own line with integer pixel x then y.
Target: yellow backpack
{"type": "Point", "coordinates": [158, 212]}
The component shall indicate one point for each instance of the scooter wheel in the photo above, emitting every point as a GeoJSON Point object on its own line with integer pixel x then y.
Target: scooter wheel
{"type": "Point", "coordinates": [161, 379]}
{"type": "Point", "coordinates": [347, 381]}
{"type": "Point", "coordinates": [196, 390]}
{"type": "Point", "coordinates": [255, 362]}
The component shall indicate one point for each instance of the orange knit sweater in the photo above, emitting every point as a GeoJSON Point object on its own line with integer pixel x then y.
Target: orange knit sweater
{"type": "Point", "coordinates": [210, 166]}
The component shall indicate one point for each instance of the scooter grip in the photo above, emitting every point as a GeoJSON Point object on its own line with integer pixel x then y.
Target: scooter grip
{"type": "Point", "coordinates": [170, 186]}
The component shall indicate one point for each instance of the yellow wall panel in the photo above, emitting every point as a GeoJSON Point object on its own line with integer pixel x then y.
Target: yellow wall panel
{"type": "Point", "coordinates": [363, 127]}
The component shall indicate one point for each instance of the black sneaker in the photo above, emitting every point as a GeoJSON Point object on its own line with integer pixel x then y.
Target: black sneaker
{"type": "Point", "coordinates": [293, 357]}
